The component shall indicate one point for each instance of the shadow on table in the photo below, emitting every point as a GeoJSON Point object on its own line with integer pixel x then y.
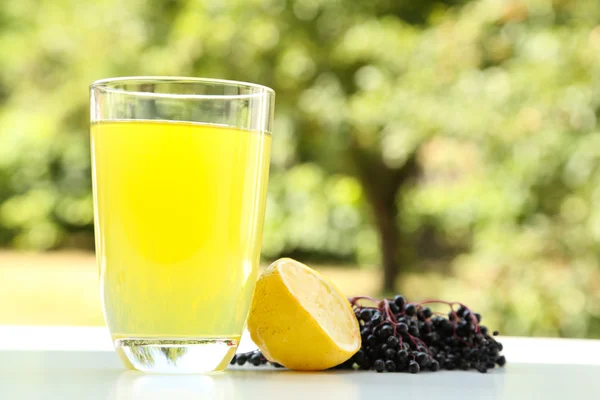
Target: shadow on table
{"type": "Point", "coordinates": [235, 384]}
{"type": "Point", "coordinates": [516, 381]}
{"type": "Point", "coordinates": [268, 384]}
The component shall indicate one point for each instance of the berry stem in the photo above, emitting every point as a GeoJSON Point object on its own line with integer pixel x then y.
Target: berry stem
{"type": "Point", "coordinates": [451, 304]}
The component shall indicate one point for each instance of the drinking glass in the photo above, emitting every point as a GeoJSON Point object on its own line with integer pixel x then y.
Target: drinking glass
{"type": "Point", "coordinates": [180, 169]}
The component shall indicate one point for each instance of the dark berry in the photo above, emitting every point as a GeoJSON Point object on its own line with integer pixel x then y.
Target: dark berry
{"type": "Point", "coordinates": [241, 359]}
{"type": "Point", "coordinates": [483, 329]}
{"type": "Point", "coordinates": [233, 360]}
{"type": "Point", "coordinates": [402, 327]}
{"type": "Point", "coordinates": [400, 301]}
{"type": "Point", "coordinates": [422, 359]}
{"type": "Point", "coordinates": [392, 342]}
{"type": "Point", "coordinates": [501, 361]}
{"type": "Point", "coordinates": [478, 317]}
{"type": "Point", "coordinates": [432, 337]}
{"type": "Point", "coordinates": [377, 317]}
{"type": "Point", "coordinates": [426, 312]}
{"type": "Point", "coordinates": [379, 365]}
{"type": "Point", "coordinates": [366, 315]}
{"type": "Point", "coordinates": [413, 367]}
{"type": "Point", "coordinates": [371, 340]}
{"type": "Point", "coordinates": [255, 359]}
{"type": "Point", "coordinates": [434, 366]}
{"type": "Point", "coordinates": [394, 308]}
{"type": "Point", "coordinates": [473, 354]}
{"type": "Point", "coordinates": [463, 328]}
{"type": "Point", "coordinates": [413, 330]}
{"type": "Point", "coordinates": [382, 349]}
{"type": "Point", "coordinates": [386, 331]}
{"type": "Point", "coordinates": [482, 368]}
{"type": "Point", "coordinates": [402, 355]}
{"type": "Point", "coordinates": [390, 366]}
{"type": "Point", "coordinates": [360, 357]}
{"type": "Point", "coordinates": [364, 334]}
{"type": "Point", "coordinates": [401, 365]}
{"type": "Point", "coordinates": [496, 333]}
{"type": "Point", "coordinates": [372, 353]}
{"type": "Point", "coordinates": [445, 327]}
{"type": "Point", "coordinates": [390, 354]}
{"type": "Point", "coordinates": [410, 310]}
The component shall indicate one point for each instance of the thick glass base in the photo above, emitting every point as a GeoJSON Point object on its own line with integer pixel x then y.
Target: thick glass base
{"type": "Point", "coordinates": [176, 356]}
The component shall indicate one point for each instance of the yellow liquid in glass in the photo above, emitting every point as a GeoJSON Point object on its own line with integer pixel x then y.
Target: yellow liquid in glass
{"type": "Point", "coordinates": [180, 209]}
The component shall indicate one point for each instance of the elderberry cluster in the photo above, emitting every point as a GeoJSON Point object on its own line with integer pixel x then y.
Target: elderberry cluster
{"type": "Point", "coordinates": [398, 336]}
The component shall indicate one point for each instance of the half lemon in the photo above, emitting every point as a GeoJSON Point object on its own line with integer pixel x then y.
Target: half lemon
{"type": "Point", "coordinates": [300, 320]}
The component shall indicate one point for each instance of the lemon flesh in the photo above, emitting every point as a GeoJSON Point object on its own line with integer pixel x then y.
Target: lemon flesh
{"type": "Point", "coordinates": [299, 319]}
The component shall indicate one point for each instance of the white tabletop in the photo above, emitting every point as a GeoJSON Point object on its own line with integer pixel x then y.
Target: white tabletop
{"type": "Point", "coordinates": [78, 363]}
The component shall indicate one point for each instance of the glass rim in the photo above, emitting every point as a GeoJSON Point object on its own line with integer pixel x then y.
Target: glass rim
{"type": "Point", "coordinates": [105, 85]}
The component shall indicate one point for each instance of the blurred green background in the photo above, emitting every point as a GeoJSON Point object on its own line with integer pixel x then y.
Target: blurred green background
{"type": "Point", "coordinates": [444, 149]}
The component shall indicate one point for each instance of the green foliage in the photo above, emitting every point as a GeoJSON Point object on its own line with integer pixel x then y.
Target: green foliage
{"type": "Point", "coordinates": [512, 170]}
{"type": "Point", "coordinates": [497, 100]}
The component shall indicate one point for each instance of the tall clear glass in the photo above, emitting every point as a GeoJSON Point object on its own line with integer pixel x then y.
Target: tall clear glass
{"type": "Point", "coordinates": [180, 170]}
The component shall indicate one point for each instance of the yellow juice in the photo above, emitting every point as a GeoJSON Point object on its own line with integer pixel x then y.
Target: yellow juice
{"type": "Point", "coordinates": [180, 209]}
